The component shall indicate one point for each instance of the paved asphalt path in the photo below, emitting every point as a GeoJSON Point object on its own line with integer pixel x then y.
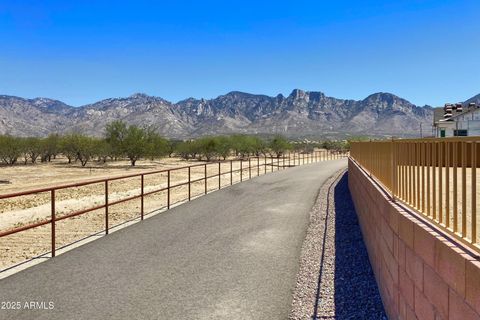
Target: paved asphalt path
{"type": "Point", "coordinates": [232, 254]}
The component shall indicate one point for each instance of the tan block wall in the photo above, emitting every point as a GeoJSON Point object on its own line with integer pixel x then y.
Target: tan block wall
{"type": "Point", "coordinates": [420, 273]}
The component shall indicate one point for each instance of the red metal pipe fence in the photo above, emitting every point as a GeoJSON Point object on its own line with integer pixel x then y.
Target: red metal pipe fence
{"type": "Point", "coordinates": [272, 162]}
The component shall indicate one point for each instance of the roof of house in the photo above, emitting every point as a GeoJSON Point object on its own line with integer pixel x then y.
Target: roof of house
{"type": "Point", "coordinates": [439, 112]}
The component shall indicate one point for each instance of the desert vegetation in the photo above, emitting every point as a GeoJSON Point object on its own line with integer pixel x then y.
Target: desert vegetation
{"type": "Point", "coordinates": [122, 141]}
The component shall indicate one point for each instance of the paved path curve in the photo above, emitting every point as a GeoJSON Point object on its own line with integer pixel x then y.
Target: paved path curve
{"type": "Point", "coordinates": [232, 254]}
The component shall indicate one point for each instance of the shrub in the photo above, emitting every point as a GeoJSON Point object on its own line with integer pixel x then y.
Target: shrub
{"type": "Point", "coordinates": [279, 145]}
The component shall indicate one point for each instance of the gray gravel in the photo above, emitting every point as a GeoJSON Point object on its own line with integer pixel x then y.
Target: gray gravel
{"type": "Point", "coordinates": [335, 279]}
{"type": "Point", "coordinates": [232, 254]}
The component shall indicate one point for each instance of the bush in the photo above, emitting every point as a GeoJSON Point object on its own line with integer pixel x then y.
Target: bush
{"type": "Point", "coordinates": [87, 148]}
{"type": "Point", "coordinates": [337, 145]}
{"type": "Point", "coordinates": [33, 147]}
{"type": "Point", "coordinates": [79, 147]}
{"type": "Point", "coordinates": [68, 147]}
{"type": "Point", "coordinates": [279, 145]}
{"type": "Point", "coordinates": [244, 145]}
{"type": "Point", "coordinates": [207, 147]}
{"type": "Point", "coordinates": [187, 150]}
{"type": "Point", "coordinates": [223, 147]}
{"type": "Point", "coordinates": [10, 149]}
{"type": "Point", "coordinates": [156, 145]}
{"type": "Point", "coordinates": [115, 137]}
{"type": "Point", "coordinates": [134, 142]}
{"type": "Point", "coordinates": [51, 147]}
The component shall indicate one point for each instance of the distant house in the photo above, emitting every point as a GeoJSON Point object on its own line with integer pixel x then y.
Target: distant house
{"type": "Point", "coordinates": [455, 120]}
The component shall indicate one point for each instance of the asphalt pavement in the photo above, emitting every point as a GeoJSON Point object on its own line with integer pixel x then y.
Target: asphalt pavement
{"type": "Point", "coordinates": [232, 254]}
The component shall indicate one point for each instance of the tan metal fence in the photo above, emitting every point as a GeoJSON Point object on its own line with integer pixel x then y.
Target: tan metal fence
{"type": "Point", "coordinates": [436, 177]}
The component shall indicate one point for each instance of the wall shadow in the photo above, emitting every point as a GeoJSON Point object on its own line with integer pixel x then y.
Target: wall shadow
{"type": "Point", "coordinates": [356, 292]}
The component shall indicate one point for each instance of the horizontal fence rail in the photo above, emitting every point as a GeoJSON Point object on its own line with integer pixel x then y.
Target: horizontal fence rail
{"type": "Point", "coordinates": [246, 169]}
{"type": "Point", "coordinates": [436, 177]}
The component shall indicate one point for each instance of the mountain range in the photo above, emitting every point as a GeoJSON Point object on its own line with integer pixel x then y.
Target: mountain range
{"type": "Point", "coordinates": [300, 114]}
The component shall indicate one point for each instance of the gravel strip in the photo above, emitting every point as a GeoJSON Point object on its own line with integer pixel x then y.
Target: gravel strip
{"type": "Point", "coordinates": [335, 279]}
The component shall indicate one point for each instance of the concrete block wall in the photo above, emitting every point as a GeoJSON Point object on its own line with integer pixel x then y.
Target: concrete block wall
{"type": "Point", "coordinates": [420, 273]}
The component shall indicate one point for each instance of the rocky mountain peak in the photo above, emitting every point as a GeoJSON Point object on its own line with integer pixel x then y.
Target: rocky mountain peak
{"type": "Point", "coordinates": [384, 97]}
{"type": "Point", "coordinates": [298, 94]}
{"type": "Point", "coordinates": [312, 96]}
{"type": "Point", "coordinates": [300, 114]}
{"type": "Point", "coordinates": [139, 95]}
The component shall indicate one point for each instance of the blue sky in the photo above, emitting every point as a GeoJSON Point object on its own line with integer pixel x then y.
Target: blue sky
{"type": "Point", "coordinates": [82, 51]}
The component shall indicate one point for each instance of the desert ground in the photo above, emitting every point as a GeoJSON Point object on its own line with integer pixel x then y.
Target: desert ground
{"type": "Point", "coordinates": [23, 210]}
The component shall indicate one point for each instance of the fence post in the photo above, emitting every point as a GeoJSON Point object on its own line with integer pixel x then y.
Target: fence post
{"type": "Point", "coordinates": [168, 189]}
{"type": "Point", "coordinates": [189, 184]}
{"type": "Point", "coordinates": [394, 170]}
{"type": "Point", "coordinates": [265, 163]}
{"type": "Point", "coordinates": [371, 158]}
{"type": "Point", "coordinates": [52, 199]}
{"type": "Point", "coordinates": [231, 172]}
{"type": "Point", "coordinates": [464, 188]}
{"type": "Point", "coordinates": [249, 168]}
{"type": "Point", "coordinates": [474, 191]}
{"type": "Point", "coordinates": [106, 206]}
{"type": "Point", "coordinates": [258, 166]}
{"type": "Point", "coordinates": [141, 198]}
{"type": "Point", "coordinates": [205, 171]}
{"type": "Point", "coordinates": [219, 175]}
{"type": "Point", "coordinates": [241, 170]}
